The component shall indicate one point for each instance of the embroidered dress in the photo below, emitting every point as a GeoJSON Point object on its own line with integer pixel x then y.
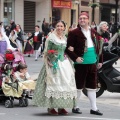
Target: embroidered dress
{"type": "Point", "coordinates": [11, 88]}
{"type": "Point", "coordinates": [55, 87]}
{"type": "Point", "coordinates": [3, 45]}
{"type": "Point", "coordinates": [29, 47]}
{"type": "Point", "coordinates": [13, 42]}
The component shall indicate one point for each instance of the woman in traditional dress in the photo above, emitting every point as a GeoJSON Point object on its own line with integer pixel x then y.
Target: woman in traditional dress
{"type": "Point", "coordinates": [20, 39]}
{"type": "Point", "coordinates": [4, 42]}
{"type": "Point", "coordinates": [12, 38]}
{"type": "Point", "coordinates": [55, 87]}
{"type": "Point", "coordinates": [29, 46]}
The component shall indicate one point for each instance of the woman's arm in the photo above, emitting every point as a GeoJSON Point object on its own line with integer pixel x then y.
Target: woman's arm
{"type": "Point", "coordinates": [8, 43]}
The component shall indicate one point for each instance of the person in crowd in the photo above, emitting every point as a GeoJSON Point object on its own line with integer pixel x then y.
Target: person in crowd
{"type": "Point", "coordinates": [4, 42]}
{"type": "Point", "coordinates": [20, 39]}
{"type": "Point", "coordinates": [12, 25]}
{"type": "Point", "coordinates": [43, 44]}
{"type": "Point", "coordinates": [70, 29]}
{"type": "Point", "coordinates": [37, 40]}
{"type": "Point", "coordinates": [50, 26]}
{"type": "Point", "coordinates": [12, 38]}
{"type": "Point", "coordinates": [93, 25]}
{"type": "Point", "coordinates": [46, 29]}
{"type": "Point", "coordinates": [83, 47]}
{"type": "Point", "coordinates": [51, 30]}
{"type": "Point", "coordinates": [7, 30]}
{"type": "Point", "coordinates": [111, 27]}
{"type": "Point", "coordinates": [29, 46]}
{"type": "Point", "coordinates": [102, 29]}
{"type": "Point", "coordinates": [55, 87]}
{"type": "Point", "coordinates": [43, 25]}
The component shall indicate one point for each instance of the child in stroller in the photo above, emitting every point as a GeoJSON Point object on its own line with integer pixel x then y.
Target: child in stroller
{"type": "Point", "coordinates": [11, 88]}
{"type": "Point", "coordinates": [24, 78]}
{"type": "Point", "coordinates": [9, 61]}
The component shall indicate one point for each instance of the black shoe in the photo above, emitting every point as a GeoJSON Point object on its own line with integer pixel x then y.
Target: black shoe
{"type": "Point", "coordinates": [97, 112]}
{"type": "Point", "coordinates": [36, 60]}
{"type": "Point", "coordinates": [28, 55]}
{"type": "Point", "coordinates": [77, 110]}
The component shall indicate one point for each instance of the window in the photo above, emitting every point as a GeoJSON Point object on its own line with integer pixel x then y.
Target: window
{"type": "Point", "coordinates": [8, 11]}
{"type": "Point", "coordinates": [56, 15]}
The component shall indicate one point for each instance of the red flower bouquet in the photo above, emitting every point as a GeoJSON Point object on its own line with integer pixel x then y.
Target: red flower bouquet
{"type": "Point", "coordinates": [9, 56]}
{"type": "Point", "coordinates": [52, 51]}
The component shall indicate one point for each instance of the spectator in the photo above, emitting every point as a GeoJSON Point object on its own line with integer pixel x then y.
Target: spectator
{"type": "Point", "coordinates": [20, 39]}
{"type": "Point", "coordinates": [37, 40]}
{"type": "Point", "coordinates": [13, 25]}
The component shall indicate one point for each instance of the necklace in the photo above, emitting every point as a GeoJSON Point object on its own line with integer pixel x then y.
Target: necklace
{"type": "Point", "coordinates": [59, 36]}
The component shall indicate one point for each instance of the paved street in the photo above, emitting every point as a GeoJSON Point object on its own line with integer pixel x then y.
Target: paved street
{"type": "Point", "coordinates": [108, 103]}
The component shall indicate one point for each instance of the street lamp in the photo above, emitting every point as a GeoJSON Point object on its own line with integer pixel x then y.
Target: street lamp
{"type": "Point", "coordinates": [93, 4]}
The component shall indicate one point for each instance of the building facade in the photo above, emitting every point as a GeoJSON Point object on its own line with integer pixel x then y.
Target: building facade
{"type": "Point", "coordinates": [29, 13]}
{"type": "Point", "coordinates": [105, 12]}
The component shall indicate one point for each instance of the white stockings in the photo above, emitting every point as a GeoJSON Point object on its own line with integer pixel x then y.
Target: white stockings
{"type": "Point", "coordinates": [92, 97]}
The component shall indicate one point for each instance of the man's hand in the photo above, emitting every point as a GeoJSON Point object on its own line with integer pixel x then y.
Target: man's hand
{"type": "Point", "coordinates": [70, 48]}
{"type": "Point", "coordinates": [79, 60]}
{"type": "Point", "coordinates": [99, 65]}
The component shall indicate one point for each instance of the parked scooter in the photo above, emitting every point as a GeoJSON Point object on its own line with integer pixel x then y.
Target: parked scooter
{"type": "Point", "coordinates": [108, 76]}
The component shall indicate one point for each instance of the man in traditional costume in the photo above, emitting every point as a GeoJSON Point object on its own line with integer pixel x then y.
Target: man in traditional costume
{"type": "Point", "coordinates": [84, 47]}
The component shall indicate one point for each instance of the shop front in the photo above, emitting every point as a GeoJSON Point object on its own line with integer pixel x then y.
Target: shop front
{"type": "Point", "coordinates": [64, 10]}
{"type": "Point", "coordinates": [28, 13]}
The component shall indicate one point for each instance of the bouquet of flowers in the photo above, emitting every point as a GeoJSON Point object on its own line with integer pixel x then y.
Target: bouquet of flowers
{"type": "Point", "coordinates": [9, 56]}
{"type": "Point", "coordinates": [54, 57]}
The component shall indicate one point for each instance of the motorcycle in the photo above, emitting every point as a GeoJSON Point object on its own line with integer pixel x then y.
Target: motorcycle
{"type": "Point", "coordinates": [108, 77]}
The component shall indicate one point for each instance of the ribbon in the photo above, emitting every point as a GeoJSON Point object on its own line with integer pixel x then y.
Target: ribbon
{"type": "Point", "coordinates": [55, 64]}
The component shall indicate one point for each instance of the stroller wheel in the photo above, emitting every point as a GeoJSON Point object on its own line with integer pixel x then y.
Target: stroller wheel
{"type": "Point", "coordinates": [23, 102]}
{"type": "Point", "coordinates": [9, 103]}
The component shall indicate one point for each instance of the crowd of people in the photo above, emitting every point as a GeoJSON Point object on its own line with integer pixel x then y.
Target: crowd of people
{"type": "Point", "coordinates": [28, 43]}
{"type": "Point", "coordinates": [70, 64]}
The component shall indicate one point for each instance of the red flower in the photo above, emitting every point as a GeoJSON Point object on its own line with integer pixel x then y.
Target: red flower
{"type": "Point", "coordinates": [9, 57]}
{"type": "Point", "coordinates": [51, 51]}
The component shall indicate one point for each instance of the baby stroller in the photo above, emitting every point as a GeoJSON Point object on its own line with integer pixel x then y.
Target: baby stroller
{"type": "Point", "coordinates": [12, 59]}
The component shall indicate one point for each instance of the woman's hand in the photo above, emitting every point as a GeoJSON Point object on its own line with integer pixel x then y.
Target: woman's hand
{"type": "Point", "coordinates": [49, 63]}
